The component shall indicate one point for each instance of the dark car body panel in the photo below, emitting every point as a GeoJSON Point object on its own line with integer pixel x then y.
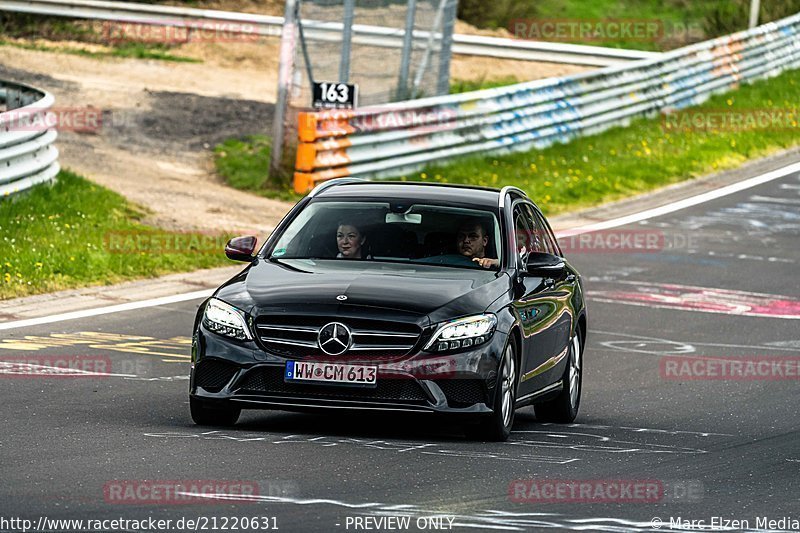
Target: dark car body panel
{"type": "Point", "coordinates": [540, 314]}
{"type": "Point", "coordinates": [420, 289]}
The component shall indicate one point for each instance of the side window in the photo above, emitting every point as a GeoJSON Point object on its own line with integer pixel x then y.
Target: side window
{"type": "Point", "coordinates": [549, 240]}
{"type": "Point", "coordinates": [528, 235]}
{"type": "Point", "coordinates": [522, 230]}
{"type": "Point", "coordinates": [537, 238]}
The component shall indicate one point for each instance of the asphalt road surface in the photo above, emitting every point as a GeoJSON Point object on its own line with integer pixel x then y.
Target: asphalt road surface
{"type": "Point", "coordinates": [657, 439]}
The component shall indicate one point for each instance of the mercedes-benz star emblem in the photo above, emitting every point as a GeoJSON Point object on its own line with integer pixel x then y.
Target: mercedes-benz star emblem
{"type": "Point", "coordinates": [334, 338]}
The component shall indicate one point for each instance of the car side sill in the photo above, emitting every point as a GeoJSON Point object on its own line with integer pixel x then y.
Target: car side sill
{"type": "Point", "coordinates": [524, 400]}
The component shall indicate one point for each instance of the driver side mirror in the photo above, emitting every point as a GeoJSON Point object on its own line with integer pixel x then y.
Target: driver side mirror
{"type": "Point", "coordinates": [541, 264]}
{"type": "Point", "coordinates": [241, 248]}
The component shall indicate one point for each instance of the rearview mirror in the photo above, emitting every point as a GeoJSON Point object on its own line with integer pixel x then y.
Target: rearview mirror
{"type": "Point", "coordinates": [408, 218]}
{"type": "Point", "coordinates": [241, 248]}
{"type": "Point", "coordinates": [542, 264]}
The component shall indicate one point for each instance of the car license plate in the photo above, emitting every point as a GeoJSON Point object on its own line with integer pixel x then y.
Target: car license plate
{"type": "Point", "coordinates": [331, 373]}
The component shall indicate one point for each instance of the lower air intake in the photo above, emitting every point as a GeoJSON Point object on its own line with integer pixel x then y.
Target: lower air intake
{"type": "Point", "coordinates": [212, 374]}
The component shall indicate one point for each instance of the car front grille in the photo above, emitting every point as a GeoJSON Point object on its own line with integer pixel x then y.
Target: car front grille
{"type": "Point", "coordinates": [462, 392]}
{"type": "Point", "coordinates": [213, 374]}
{"type": "Point", "coordinates": [296, 336]}
{"type": "Point", "coordinates": [270, 380]}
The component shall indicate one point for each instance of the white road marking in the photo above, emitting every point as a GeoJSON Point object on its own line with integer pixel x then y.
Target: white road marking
{"type": "Point", "coordinates": [481, 519]}
{"type": "Point", "coordinates": [599, 443]}
{"type": "Point", "coordinates": [33, 370]}
{"type": "Point", "coordinates": [784, 344]}
{"type": "Point", "coordinates": [655, 348]}
{"type": "Point", "coordinates": [628, 428]}
{"type": "Point", "coordinates": [562, 441]}
{"type": "Point", "coordinates": [614, 223]}
{"type": "Point", "coordinates": [687, 202]}
{"type": "Point", "coordinates": [770, 199]}
{"type": "Point", "coordinates": [98, 311]}
{"type": "Point", "coordinates": [159, 378]}
{"type": "Point", "coordinates": [791, 346]}
{"type": "Point", "coordinates": [30, 370]}
{"type": "Point", "coordinates": [384, 445]}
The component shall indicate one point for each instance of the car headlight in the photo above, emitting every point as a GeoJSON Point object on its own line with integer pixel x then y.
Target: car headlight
{"type": "Point", "coordinates": [462, 333]}
{"type": "Point", "coordinates": [226, 320]}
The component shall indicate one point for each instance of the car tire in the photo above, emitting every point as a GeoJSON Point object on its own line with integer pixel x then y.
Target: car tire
{"type": "Point", "coordinates": [497, 427]}
{"type": "Point", "coordinates": [204, 415]}
{"type": "Point", "coordinates": [564, 408]}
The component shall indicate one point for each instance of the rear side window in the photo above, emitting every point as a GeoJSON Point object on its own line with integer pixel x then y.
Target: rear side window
{"type": "Point", "coordinates": [527, 233]}
{"type": "Point", "coordinates": [548, 239]}
{"type": "Point", "coordinates": [521, 231]}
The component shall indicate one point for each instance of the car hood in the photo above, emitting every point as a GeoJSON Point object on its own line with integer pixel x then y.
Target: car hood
{"type": "Point", "coordinates": [422, 290]}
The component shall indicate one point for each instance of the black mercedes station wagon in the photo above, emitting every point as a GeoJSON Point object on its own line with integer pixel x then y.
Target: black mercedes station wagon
{"type": "Point", "coordinates": [397, 297]}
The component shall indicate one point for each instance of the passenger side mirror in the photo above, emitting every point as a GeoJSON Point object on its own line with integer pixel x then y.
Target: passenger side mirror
{"type": "Point", "coordinates": [541, 264]}
{"type": "Point", "coordinates": [241, 248]}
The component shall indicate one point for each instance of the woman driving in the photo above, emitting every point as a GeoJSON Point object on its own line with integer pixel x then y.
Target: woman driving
{"type": "Point", "coordinates": [350, 241]}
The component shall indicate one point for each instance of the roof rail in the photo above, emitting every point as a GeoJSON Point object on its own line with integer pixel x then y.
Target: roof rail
{"type": "Point", "coordinates": [331, 183]}
{"type": "Point", "coordinates": [508, 189]}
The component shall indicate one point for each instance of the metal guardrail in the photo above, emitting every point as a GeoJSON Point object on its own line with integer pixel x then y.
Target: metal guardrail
{"type": "Point", "coordinates": [27, 154]}
{"type": "Point", "coordinates": [393, 139]}
{"type": "Point", "coordinates": [246, 23]}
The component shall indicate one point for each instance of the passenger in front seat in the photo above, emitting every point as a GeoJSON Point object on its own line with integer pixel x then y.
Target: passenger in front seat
{"type": "Point", "coordinates": [471, 241]}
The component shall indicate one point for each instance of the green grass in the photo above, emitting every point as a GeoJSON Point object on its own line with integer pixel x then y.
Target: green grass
{"type": "Point", "coordinates": [134, 50]}
{"type": "Point", "coordinates": [672, 15]}
{"type": "Point", "coordinates": [28, 27]}
{"type": "Point", "coordinates": [148, 51]}
{"type": "Point", "coordinates": [465, 86]}
{"type": "Point", "coordinates": [244, 164]}
{"type": "Point", "coordinates": [75, 233]}
{"type": "Point", "coordinates": [682, 21]}
{"type": "Point", "coordinates": [644, 156]}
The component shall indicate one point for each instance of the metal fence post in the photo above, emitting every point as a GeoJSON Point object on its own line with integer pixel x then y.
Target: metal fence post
{"type": "Point", "coordinates": [408, 41]}
{"type": "Point", "coordinates": [443, 83]}
{"type": "Point", "coordinates": [755, 5]}
{"type": "Point", "coordinates": [423, 66]}
{"type": "Point", "coordinates": [285, 70]}
{"type": "Point", "coordinates": [347, 39]}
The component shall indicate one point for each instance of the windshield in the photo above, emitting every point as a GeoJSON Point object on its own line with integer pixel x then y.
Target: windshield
{"type": "Point", "coordinates": [393, 232]}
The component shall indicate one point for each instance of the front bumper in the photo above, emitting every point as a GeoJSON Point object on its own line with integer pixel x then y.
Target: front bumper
{"type": "Point", "coordinates": [227, 371]}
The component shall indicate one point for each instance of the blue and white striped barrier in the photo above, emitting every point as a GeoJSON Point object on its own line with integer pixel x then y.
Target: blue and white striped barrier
{"type": "Point", "coordinates": [397, 138]}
